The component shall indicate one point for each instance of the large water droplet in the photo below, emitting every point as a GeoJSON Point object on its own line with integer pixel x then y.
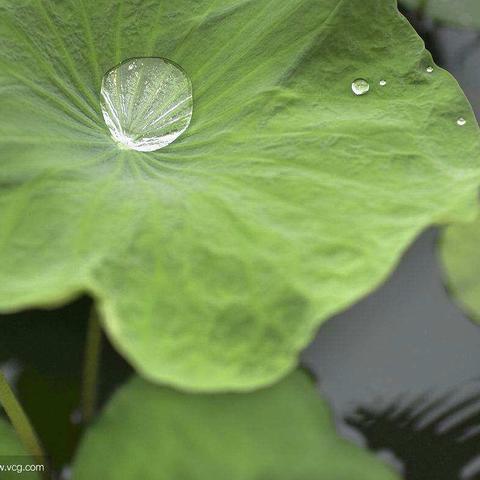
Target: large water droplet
{"type": "Point", "coordinates": [146, 103]}
{"type": "Point", "coordinates": [461, 122]}
{"type": "Point", "coordinates": [360, 86]}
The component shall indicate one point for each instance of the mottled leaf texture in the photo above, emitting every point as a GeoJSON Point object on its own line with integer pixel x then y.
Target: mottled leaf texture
{"type": "Point", "coordinates": [461, 13]}
{"type": "Point", "coordinates": [214, 260]}
{"type": "Point", "coordinates": [282, 433]}
{"type": "Point", "coordinates": [14, 462]}
{"type": "Point", "coordinates": [460, 253]}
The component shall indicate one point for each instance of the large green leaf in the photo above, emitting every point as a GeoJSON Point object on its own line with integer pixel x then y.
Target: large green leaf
{"type": "Point", "coordinates": [14, 462]}
{"type": "Point", "coordinates": [214, 260]}
{"type": "Point", "coordinates": [284, 432]}
{"type": "Point", "coordinates": [463, 13]}
{"type": "Point", "coordinates": [460, 253]}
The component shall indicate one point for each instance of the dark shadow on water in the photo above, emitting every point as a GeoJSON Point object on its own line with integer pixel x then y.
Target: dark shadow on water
{"type": "Point", "coordinates": [435, 438]}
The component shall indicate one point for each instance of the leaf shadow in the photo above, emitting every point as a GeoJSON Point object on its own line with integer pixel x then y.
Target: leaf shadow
{"type": "Point", "coordinates": [434, 437]}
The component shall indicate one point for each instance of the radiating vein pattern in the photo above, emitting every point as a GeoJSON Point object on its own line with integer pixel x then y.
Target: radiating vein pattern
{"type": "Point", "coordinates": [147, 103]}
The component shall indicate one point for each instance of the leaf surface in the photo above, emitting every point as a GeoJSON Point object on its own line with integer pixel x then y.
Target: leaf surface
{"type": "Point", "coordinates": [461, 13]}
{"type": "Point", "coordinates": [282, 433]}
{"type": "Point", "coordinates": [460, 254]}
{"type": "Point", "coordinates": [213, 261]}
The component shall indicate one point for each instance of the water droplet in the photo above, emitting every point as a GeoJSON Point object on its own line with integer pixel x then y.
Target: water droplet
{"type": "Point", "coordinates": [360, 86]}
{"type": "Point", "coordinates": [146, 103]}
{"type": "Point", "coordinates": [429, 69]}
{"type": "Point", "coordinates": [461, 122]}
{"type": "Point", "coordinates": [382, 83]}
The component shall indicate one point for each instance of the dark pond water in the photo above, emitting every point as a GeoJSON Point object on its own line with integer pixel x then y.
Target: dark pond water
{"type": "Point", "coordinates": [401, 368]}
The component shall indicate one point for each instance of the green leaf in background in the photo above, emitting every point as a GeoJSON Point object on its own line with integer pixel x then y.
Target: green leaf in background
{"type": "Point", "coordinates": [282, 433]}
{"type": "Point", "coordinates": [462, 13]}
{"type": "Point", "coordinates": [213, 261]}
{"type": "Point", "coordinates": [460, 254]}
{"type": "Point", "coordinates": [13, 455]}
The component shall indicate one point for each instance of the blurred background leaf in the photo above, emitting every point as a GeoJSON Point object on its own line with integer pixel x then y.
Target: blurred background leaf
{"type": "Point", "coordinates": [281, 433]}
{"type": "Point", "coordinates": [460, 253]}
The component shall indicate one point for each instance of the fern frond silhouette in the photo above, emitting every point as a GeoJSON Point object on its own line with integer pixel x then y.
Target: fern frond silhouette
{"type": "Point", "coordinates": [434, 438]}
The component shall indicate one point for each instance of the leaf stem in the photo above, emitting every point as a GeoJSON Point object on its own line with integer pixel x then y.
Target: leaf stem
{"type": "Point", "coordinates": [19, 420]}
{"type": "Point", "coordinates": [91, 366]}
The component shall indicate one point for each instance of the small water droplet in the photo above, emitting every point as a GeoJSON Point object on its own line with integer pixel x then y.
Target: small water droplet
{"type": "Point", "coordinates": [429, 69]}
{"type": "Point", "coordinates": [146, 103]}
{"type": "Point", "coordinates": [360, 86]}
{"type": "Point", "coordinates": [461, 122]}
{"type": "Point", "coordinates": [382, 83]}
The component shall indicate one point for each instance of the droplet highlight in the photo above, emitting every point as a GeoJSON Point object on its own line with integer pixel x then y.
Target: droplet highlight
{"type": "Point", "coordinates": [382, 83]}
{"type": "Point", "coordinates": [147, 103]}
{"type": "Point", "coordinates": [429, 69]}
{"type": "Point", "coordinates": [360, 86]}
{"type": "Point", "coordinates": [461, 122]}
